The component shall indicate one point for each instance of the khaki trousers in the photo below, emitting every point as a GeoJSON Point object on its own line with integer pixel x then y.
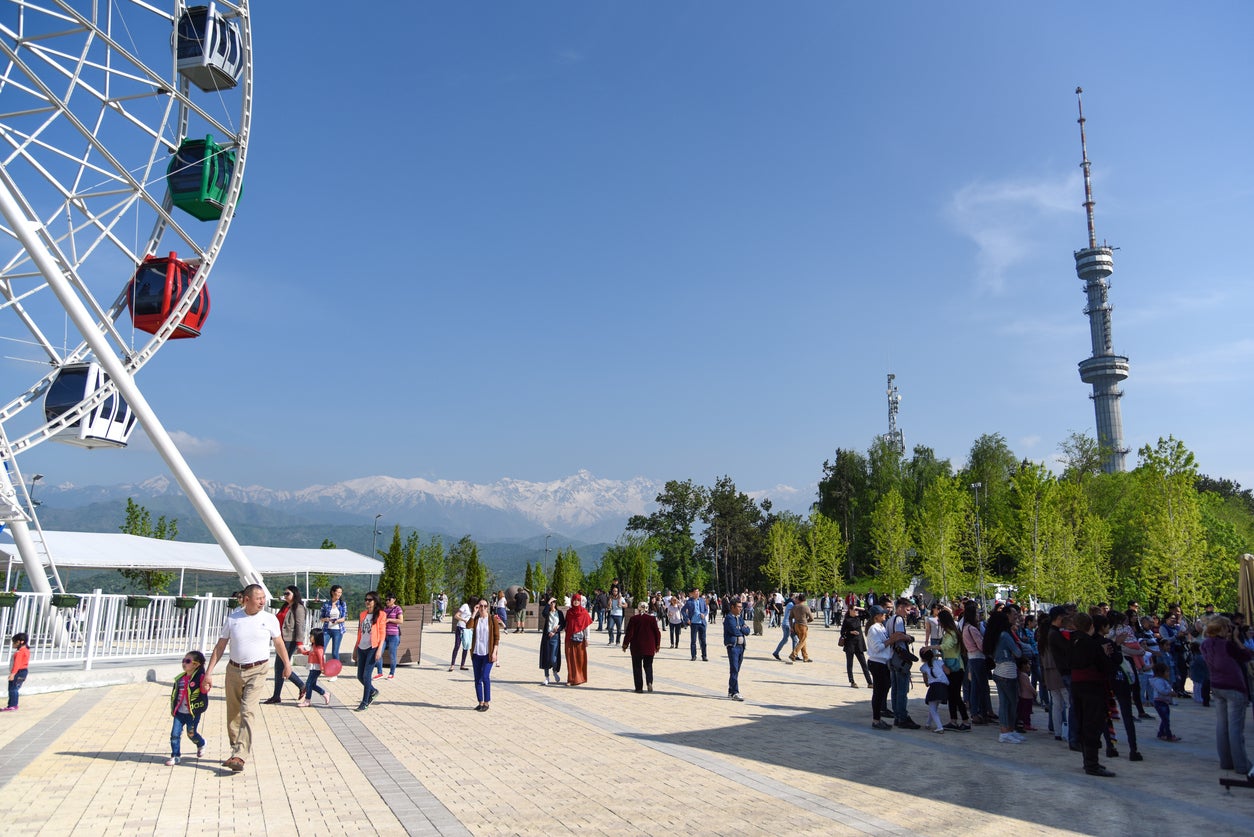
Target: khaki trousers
{"type": "Point", "coordinates": [801, 651]}
{"type": "Point", "coordinates": [243, 701]}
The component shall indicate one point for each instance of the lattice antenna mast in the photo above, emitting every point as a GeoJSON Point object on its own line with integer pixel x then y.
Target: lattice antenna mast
{"type": "Point", "coordinates": [1088, 178]}
{"type": "Point", "coordinates": [894, 436]}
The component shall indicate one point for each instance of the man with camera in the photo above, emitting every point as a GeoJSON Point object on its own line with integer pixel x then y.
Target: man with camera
{"type": "Point", "coordinates": [900, 664]}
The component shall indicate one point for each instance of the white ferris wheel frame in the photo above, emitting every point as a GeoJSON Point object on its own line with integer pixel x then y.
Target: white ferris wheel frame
{"type": "Point", "coordinates": [56, 262]}
{"type": "Point", "coordinates": [35, 64]}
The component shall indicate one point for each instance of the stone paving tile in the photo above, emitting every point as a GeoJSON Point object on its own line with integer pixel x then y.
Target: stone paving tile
{"type": "Point", "coordinates": [797, 757]}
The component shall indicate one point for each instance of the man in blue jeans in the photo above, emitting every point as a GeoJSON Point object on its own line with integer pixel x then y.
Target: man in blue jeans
{"type": "Point", "coordinates": [614, 615]}
{"type": "Point", "coordinates": [734, 632]}
{"type": "Point", "coordinates": [392, 638]}
{"type": "Point", "coordinates": [785, 622]}
{"type": "Point", "coordinates": [900, 639]}
{"type": "Point", "coordinates": [697, 616]}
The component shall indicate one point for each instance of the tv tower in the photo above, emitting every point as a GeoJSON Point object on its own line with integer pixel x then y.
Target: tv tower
{"type": "Point", "coordinates": [1105, 369]}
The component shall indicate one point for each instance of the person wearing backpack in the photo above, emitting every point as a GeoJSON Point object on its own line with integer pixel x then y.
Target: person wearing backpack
{"type": "Point", "coordinates": [900, 664]}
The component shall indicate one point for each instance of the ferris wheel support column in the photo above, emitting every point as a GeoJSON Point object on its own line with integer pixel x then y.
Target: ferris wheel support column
{"type": "Point", "coordinates": [29, 233]}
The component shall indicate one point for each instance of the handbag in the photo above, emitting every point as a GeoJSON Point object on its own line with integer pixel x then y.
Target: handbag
{"type": "Point", "coordinates": [840, 643]}
{"type": "Point", "coordinates": [468, 638]}
{"type": "Point", "coordinates": [332, 667]}
{"type": "Point", "coordinates": [577, 636]}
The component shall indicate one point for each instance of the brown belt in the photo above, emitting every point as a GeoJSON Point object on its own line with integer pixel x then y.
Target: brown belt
{"type": "Point", "coordinates": [246, 666]}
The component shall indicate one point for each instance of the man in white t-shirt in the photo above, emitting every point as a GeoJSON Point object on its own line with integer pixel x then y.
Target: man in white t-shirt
{"type": "Point", "coordinates": [250, 631]}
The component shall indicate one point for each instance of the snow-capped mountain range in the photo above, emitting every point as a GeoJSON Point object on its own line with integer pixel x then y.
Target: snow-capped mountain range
{"type": "Point", "coordinates": [581, 505]}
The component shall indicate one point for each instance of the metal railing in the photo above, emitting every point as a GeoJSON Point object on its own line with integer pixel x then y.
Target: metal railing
{"type": "Point", "coordinates": [100, 627]}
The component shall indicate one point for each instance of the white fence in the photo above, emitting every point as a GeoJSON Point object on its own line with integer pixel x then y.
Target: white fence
{"type": "Point", "coordinates": [101, 627]}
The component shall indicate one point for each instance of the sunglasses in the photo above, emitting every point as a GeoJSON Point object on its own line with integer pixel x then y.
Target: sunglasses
{"type": "Point", "coordinates": [187, 662]}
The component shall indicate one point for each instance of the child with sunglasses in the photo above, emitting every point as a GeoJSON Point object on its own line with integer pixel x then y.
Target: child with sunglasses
{"type": "Point", "coordinates": [188, 700]}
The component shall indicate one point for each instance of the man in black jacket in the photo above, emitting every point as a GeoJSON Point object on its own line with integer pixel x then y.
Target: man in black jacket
{"type": "Point", "coordinates": [1090, 667]}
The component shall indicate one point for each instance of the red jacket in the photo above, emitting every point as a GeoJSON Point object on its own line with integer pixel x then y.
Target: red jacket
{"type": "Point", "coordinates": [643, 635]}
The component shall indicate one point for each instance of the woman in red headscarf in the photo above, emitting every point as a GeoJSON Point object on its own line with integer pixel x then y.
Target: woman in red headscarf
{"type": "Point", "coordinates": [578, 620]}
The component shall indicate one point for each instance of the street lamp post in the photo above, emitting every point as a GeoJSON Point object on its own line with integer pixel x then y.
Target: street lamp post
{"type": "Point", "coordinates": [979, 551]}
{"type": "Point", "coordinates": [546, 559]}
{"type": "Point", "coordinates": [374, 540]}
{"type": "Point", "coordinates": [30, 495]}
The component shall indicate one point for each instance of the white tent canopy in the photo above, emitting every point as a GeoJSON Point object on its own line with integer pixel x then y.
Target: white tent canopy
{"type": "Point", "coordinates": [110, 551]}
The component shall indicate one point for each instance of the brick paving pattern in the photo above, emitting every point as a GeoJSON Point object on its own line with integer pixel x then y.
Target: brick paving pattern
{"type": "Point", "coordinates": [798, 756]}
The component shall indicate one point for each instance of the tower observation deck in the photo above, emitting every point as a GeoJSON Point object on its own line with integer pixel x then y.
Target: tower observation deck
{"type": "Point", "coordinates": [1104, 369]}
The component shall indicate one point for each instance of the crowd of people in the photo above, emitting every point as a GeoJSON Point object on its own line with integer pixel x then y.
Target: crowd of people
{"type": "Point", "coordinates": [1083, 670]}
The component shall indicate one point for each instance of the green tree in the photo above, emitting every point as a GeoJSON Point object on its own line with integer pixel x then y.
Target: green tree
{"type": "Point", "coordinates": [783, 552]}
{"type": "Point", "coordinates": [890, 540]}
{"type": "Point", "coordinates": [528, 579]}
{"type": "Point", "coordinates": [843, 493]}
{"type": "Point", "coordinates": [669, 529]}
{"type": "Point", "coordinates": [322, 581]}
{"type": "Point", "coordinates": [632, 559]}
{"type": "Point", "coordinates": [733, 535]}
{"type": "Point", "coordinates": [470, 577]}
{"type": "Point", "coordinates": [567, 574]}
{"type": "Point", "coordinates": [1171, 566]}
{"type": "Point", "coordinates": [992, 464]}
{"type": "Point", "coordinates": [410, 594]}
{"type": "Point", "coordinates": [919, 473]}
{"type": "Point", "coordinates": [939, 531]}
{"type": "Point", "coordinates": [540, 578]}
{"type": "Point", "coordinates": [139, 522]}
{"type": "Point", "coordinates": [392, 579]}
{"type": "Point", "coordinates": [824, 549]}
{"type": "Point", "coordinates": [431, 570]}
{"type": "Point", "coordinates": [1031, 491]}
{"type": "Point", "coordinates": [1082, 457]}
{"type": "Point", "coordinates": [1077, 548]}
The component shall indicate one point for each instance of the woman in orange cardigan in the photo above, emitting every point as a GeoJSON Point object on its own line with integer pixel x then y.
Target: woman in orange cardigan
{"type": "Point", "coordinates": [485, 635]}
{"type": "Point", "coordinates": [371, 626]}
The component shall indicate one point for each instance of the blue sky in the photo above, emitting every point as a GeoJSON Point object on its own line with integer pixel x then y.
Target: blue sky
{"type": "Point", "coordinates": [681, 240]}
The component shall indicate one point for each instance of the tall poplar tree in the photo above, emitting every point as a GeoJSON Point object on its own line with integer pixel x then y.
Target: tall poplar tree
{"type": "Point", "coordinates": [890, 542]}
{"type": "Point", "coordinates": [1175, 549]}
{"type": "Point", "coordinates": [939, 536]}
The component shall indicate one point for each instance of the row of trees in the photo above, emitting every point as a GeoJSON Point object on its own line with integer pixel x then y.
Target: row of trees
{"type": "Point", "coordinates": [415, 571]}
{"type": "Point", "coordinates": [1160, 534]}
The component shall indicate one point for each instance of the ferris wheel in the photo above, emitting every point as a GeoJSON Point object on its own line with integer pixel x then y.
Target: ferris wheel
{"type": "Point", "coordinates": [108, 113]}
{"type": "Point", "coordinates": [123, 137]}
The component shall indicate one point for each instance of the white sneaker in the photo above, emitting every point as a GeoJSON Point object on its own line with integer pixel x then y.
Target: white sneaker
{"type": "Point", "coordinates": [1008, 738]}
{"type": "Point", "coordinates": [737, 697]}
{"type": "Point", "coordinates": [326, 698]}
{"type": "Point", "coordinates": [171, 761]}
{"type": "Point", "coordinates": [939, 730]}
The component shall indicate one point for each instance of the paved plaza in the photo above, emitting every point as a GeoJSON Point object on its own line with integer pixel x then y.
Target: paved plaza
{"type": "Point", "coordinates": [797, 757]}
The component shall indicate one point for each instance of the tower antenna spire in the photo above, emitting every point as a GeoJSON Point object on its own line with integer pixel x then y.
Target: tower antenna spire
{"type": "Point", "coordinates": [1086, 165]}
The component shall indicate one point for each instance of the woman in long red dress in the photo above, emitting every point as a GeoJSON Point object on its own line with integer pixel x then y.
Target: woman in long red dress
{"type": "Point", "coordinates": [578, 620]}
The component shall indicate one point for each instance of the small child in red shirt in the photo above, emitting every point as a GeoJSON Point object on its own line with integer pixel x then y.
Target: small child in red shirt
{"type": "Point", "coordinates": [17, 670]}
{"type": "Point", "coordinates": [317, 656]}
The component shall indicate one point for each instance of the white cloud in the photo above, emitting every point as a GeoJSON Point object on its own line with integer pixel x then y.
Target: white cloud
{"type": "Point", "coordinates": [1004, 217]}
{"type": "Point", "coordinates": [1223, 363]}
{"type": "Point", "coordinates": [187, 444]}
